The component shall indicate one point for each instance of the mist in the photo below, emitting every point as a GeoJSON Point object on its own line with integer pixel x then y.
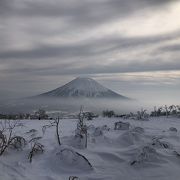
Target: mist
{"type": "Point", "coordinates": [73, 105]}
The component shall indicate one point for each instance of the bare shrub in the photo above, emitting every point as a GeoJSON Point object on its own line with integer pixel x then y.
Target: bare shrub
{"type": "Point", "coordinates": [173, 110]}
{"type": "Point", "coordinates": [18, 142]}
{"type": "Point", "coordinates": [108, 113]}
{"type": "Point", "coordinates": [36, 148]}
{"type": "Point", "coordinates": [76, 154]}
{"type": "Point", "coordinates": [81, 131]}
{"type": "Point", "coordinates": [54, 123]}
{"type": "Point", "coordinates": [8, 137]}
{"type": "Point", "coordinates": [142, 115]}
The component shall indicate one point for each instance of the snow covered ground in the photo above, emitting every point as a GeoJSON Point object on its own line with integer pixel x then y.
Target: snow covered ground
{"type": "Point", "coordinates": [149, 152]}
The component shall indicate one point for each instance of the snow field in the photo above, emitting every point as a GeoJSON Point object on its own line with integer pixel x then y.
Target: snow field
{"type": "Point", "coordinates": [147, 150]}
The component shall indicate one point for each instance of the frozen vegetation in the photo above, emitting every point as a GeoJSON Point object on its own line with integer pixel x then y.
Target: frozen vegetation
{"type": "Point", "coordinates": [131, 147]}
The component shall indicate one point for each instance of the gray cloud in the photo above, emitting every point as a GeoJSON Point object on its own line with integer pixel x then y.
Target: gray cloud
{"type": "Point", "coordinates": [78, 12]}
{"type": "Point", "coordinates": [62, 38]}
{"type": "Point", "coordinates": [5, 6]}
{"type": "Point", "coordinates": [169, 48]}
{"type": "Point", "coordinates": [89, 48]}
{"type": "Point", "coordinates": [80, 68]}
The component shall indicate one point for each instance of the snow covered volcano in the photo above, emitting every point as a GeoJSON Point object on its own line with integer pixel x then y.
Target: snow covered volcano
{"type": "Point", "coordinates": [83, 87]}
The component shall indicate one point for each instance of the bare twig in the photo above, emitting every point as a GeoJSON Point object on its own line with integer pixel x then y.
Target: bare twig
{"type": "Point", "coordinates": [36, 148]}
{"type": "Point", "coordinates": [7, 138]}
{"type": "Point", "coordinates": [55, 124]}
{"type": "Point", "coordinates": [78, 154]}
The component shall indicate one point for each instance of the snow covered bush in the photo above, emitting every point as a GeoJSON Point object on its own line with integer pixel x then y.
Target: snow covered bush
{"type": "Point", "coordinates": [172, 110]}
{"type": "Point", "coordinates": [156, 142]}
{"type": "Point", "coordinates": [94, 132]}
{"type": "Point", "coordinates": [146, 154]}
{"type": "Point", "coordinates": [139, 130]}
{"type": "Point", "coordinates": [90, 115]}
{"type": "Point", "coordinates": [91, 128]}
{"type": "Point", "coordinates": [121, 125]}
{"type": "Point", "coordinates": [142, 115]}
{"type": "Point", "coordinates": [98, 132]}
{"type": "Point", "coordinates": [108, 113]}
{"type": "Point", "coordinates": [41, 114]}
{"type": "Point", "coordinates": [105, 128]}
{"type": "Point", "coordinates": [129, 138]}
{"type": "Point", "coordinates": [173, 129]}
{"type": "Point", "coordinates": [67, 159]}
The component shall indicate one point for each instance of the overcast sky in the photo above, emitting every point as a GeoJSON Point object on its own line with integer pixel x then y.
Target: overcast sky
{"type": "Point", "coordinates": [130, 46]}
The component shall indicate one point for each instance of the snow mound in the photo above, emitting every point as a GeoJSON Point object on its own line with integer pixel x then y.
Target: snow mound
{"type": "Point", "coordinates": [156, 142]}
{"type": "Point", "coordinates": [105, 128]}
{"type": "Point", "coordinates": [98, 132]}
{"type": "Point", "coordinates": [110, 157]}
{"type": "Point", "coordinates": [146, 154]}
{"type": "Point", "coordinates": [121, 125]}
{"type": "Point", "coordinates": [173, 129]}
{"type": "Point", "coordinates": [91, 128]}
{"type": "Point", "coordinates": [129, 138]}
{"type": "Point", "coordinates": [67, 159]}
{"type": "Point", "coordinates": [139, 130]}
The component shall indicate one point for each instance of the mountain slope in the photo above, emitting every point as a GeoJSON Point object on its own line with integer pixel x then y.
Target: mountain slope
{"type": "Point", "coordinates": [83, 87]}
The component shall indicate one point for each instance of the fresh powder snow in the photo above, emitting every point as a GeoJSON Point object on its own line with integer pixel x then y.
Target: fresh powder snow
{"type": "Point", "coordinates": [146, 150]}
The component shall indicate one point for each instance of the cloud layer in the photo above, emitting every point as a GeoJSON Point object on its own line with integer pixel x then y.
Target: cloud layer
{"type": "Point", "coordinates": [43, 42]}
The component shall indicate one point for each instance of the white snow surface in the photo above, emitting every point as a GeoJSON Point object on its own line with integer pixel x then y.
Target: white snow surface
{"type": "Point", "coordinates": [135, 154]}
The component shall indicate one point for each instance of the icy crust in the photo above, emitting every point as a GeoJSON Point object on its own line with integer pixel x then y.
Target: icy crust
{"type": "Point", "coordinates": [82, 87]}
